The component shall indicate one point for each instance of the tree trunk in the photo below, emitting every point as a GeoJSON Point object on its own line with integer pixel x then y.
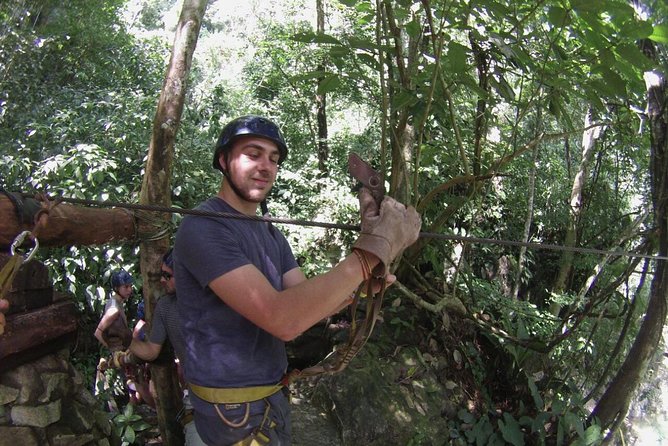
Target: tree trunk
{"type": "Point", "coordinates": [321, 100]}
{"type": "Point", "coordinates": [613, 405]}
{"type": "Point", "coordinates": [156, 191]}
{"type": "Point", "coordinates": [589, 138]}
{"type": "Point", "coordinates": [527, 222]}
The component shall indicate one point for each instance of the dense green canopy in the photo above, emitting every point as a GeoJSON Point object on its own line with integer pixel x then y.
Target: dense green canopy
{"type": "Point", "coordinates": [515, 121]}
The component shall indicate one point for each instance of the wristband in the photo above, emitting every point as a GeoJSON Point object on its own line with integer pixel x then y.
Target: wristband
{"type": "Point", "coordinates": [366, 268]}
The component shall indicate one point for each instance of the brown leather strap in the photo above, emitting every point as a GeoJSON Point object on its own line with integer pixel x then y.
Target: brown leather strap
{"type": "Point", "coordinates": [360, 330]}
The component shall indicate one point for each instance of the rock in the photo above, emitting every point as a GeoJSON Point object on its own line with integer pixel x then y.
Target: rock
{"type": "Point", "coordinates": [18, 436]}
{"type": "Point", "coordinates": [36, 416]}
{"type": "Point", "coordinates": [311, 426]}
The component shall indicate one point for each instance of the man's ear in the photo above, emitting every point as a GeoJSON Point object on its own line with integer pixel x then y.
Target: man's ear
{"type": "Point", "coordinates": [222, 159]}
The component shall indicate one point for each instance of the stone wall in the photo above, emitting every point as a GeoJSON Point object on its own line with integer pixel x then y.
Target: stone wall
{"type": "Point", "coordinates": [45, 402]}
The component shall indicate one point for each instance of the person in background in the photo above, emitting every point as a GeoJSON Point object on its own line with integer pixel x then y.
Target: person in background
{"type": "Point", "coordinates": [113, 333]}
{"type": "Point", "coordinates": [139, 330]}
{"type": "Point", "coordinates": [165, 327]}
{"type": "Point", "coordinates": [241, 294]}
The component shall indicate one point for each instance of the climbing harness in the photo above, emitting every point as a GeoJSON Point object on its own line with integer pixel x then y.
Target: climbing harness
{"type": "Point", "coordinates": [12, 266]}
{"type": "Point", "coordinates": [232, 398]}
{"type": "Point", "coordinates": [234, 395]}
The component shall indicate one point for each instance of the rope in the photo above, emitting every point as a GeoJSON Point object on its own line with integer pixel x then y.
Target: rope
{"type": "Point", "coordinates": [349, 227]}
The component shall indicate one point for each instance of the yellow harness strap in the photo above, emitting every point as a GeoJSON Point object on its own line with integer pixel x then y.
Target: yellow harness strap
{"type": "Point", "coordinates": [234, 395]}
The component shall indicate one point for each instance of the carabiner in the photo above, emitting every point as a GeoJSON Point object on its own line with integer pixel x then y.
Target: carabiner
{"type": "Point", "coordinates": [18, 241]}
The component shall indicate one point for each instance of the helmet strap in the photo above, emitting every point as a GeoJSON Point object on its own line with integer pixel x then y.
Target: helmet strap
{"type": "Point", "coordinates": [228, 178]}
{"type": "Point", "coordinates": [265, 213]}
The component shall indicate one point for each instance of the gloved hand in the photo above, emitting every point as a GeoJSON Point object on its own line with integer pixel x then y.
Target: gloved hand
{"type": "Point", "coordinates": [120, 359]}
{"type": "Point", "coordinates": [388, 231]}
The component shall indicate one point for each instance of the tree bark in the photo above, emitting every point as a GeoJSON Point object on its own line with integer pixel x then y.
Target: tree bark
{"type": "Point", "coordinates": [156, 191]}
{"type": "Point", "coordinates": [68, 225]}
{"type": "Point", "coordinates": [321, 100]}
{"type": "Point", "coordinates": [589, 138]}
{"type": "Point", "coordinates": [614, 404]}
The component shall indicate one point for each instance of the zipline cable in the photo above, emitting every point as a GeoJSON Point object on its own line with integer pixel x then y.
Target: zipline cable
{"type": "Point", "coordinates": [349, 227]}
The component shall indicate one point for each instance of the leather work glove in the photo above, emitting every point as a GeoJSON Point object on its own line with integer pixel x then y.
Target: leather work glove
{"type": "Point", "coordinates": [120, 359]}
{"type": "Point", "coordinates": [387, 231]}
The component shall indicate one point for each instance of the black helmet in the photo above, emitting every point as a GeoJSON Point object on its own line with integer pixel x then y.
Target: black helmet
{"type": "Point", "coordinates": [119, 278]}
{"type": "Point", "coordinates": [253, 126]}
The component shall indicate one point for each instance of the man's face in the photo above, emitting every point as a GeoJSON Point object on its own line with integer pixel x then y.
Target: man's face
{"type": "Point", "coordinates": [252, 164]}
{"type": "Point", "coordinates": [125, 291]}
{"type": "Point", "coordinates": [167, 279]}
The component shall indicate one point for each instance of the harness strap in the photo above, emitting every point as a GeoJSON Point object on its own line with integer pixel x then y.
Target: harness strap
{"type": "Point", "coordinates": [243, 421]}
{"type": "Point", "coordinates": [258, 437]}
{"type": "Point", "coordinates": [360, 330]}
{"type": "Point", "coordinates": [234, 395]}
{"type": "Point", "coordinates": [12, 267]}
{"type": "Point", "coordinates": [8, 273]}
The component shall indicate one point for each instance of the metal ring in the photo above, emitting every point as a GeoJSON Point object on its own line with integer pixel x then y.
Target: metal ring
{"type": "Point", "coordinates": [18, 241]}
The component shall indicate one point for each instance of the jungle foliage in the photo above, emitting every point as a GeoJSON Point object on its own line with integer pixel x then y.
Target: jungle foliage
{"type": "Point", "coordinates": [477, 112]}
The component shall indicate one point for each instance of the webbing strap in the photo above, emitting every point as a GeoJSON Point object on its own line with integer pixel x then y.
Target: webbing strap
{"type": "Point", "coordinates": [360, 330]}
{"type": "Point", "coordinates": [234, 395]}
{"type": "Point", "coordinates": [7, 275]}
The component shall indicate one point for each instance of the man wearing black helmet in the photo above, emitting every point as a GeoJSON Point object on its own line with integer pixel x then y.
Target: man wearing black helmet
{"type": "Point", "coordinates": [241, 295]}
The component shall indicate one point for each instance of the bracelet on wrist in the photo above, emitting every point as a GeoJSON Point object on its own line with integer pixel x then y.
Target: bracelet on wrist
{"type": "Point", "coordinates": [364, 262]}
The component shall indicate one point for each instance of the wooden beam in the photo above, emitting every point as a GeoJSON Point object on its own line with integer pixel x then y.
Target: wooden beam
{"type": "Point", "coordinates": [26, 331]}
{"type": "Point", "coordinates": [69, 225]}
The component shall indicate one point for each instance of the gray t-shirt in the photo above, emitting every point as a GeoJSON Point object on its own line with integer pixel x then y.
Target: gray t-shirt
{"type": "Point", "coordinates": [224, 349]}
{"type": "Point", "coordinates": [165, 325]}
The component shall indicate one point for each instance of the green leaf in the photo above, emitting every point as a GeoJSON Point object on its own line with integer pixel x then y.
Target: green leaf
{"type": "Point", "coordinates": [592, 434]}
{"type": "Point", "coordinates": [614, 81]}
{"type": "Point", "coordinates": [457, 56]}
{"type": "Point", "coordinates": [537, 399]}
{"type": "Point", "coordinates": [631, 54]}
{"type": "Point", "coordinates": [558, 16]}
{"type": "Point", "coordinates": [539, 422]}
{"type": "Point", "coordinates": [311, 37]}
{"type": "Point", "coordinates": [660, 34]}
{"type": "Point", "coordinates": [472, 84]}
{"type": "Point", "coordinates": [403, 99]}
{"type": "Point", "coordinates": [310, 75]}
{"type": "Point", "coordinates": [586, 5]}
{"type": "Point", "coordinates": [138, 427]}
{"type": "Point", "coordinates": [329, 83]}
{"type": "Point", "coordinates": [636, 29]}
{"type": "Point", "coordinates": [368, 60]}
{"type": "Point", "coordinates": [362, 44]}
{"type": "Point", "coordinates": [606, 57]}
{"type": "Point", "coordinates": [511, 431]}
{"type": "Point", "coordinates": [121, 419]}
{"type": "Point", "coordinates": [574, 423]}
{"type": "Point", "coordinates": [338, 52]}
{"type": "Point", "coordinates": [129, 435]}
{"type": "Point", "coordinates": [466, 416]}
{"type": "Point", "coordinates": [413, 28]}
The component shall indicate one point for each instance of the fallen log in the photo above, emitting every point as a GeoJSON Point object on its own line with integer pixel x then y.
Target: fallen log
{"type": "Point", "coordinates": [67, 225]}
{"type": "Point", "coordinates": [36, 330]}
